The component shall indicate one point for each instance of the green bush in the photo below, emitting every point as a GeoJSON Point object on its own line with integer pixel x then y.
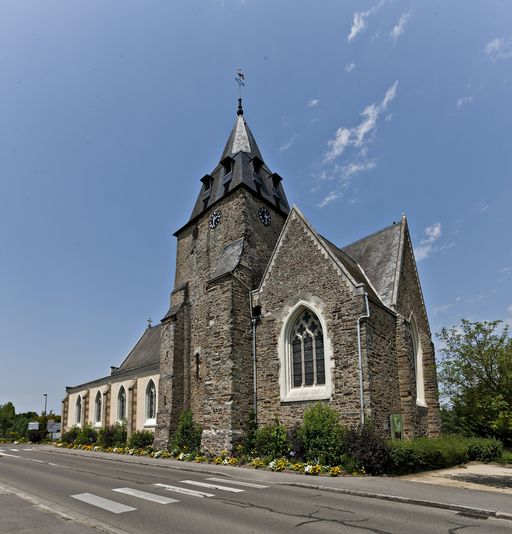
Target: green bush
{"type": "Point", "coordinates": [112, 436]}
{"type": "Point", "coordinates": [366, 446]}
{"type": "Point", "coordinates": [247, 444]}
{"type": "Point", "coordinates": [35, 436]}
{"type": "Point", "coordinates": [271, 440]}
{"type": "Point", "coordinates": [484, 449]}
{"type": "Point", "coordinates": [141, 439]}
{"type": "Point", "coordinates": [321, 434]}
{"type": "Point", "coordinates": [421, 454]}
{"type": "Point", "coordinates": [188, 434]}
{"type": "Point", "coordinates": [69, 437]}
{"type": "Point", "coordinates": [87, 435]}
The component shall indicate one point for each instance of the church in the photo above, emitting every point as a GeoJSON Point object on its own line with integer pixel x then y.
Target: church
{"type": "Point", "coordinates": [268, 315]}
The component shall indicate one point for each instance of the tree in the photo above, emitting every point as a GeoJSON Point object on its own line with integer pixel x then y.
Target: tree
{"type": "Point", "coordinates": [476, 378]}
{"type": "Point", "coordinates": [7, 418]}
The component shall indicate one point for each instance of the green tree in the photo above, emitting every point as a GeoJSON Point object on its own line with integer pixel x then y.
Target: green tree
{"type": "Point", "coordinates": [476, 378]}
{"type": "Point", "coordinates": [7, 418]}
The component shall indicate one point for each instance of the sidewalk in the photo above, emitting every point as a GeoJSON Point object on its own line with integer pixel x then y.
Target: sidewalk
{"type": "Point", "coordinates": [399, 489]}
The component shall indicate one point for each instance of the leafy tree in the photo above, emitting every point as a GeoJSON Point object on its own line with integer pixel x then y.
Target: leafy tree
{"type": "Point", "coordinates": [7, 418]}
{"type": "Point", "coordinates": [476, 378]}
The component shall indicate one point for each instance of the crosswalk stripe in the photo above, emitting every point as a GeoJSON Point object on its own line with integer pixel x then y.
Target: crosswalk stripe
{"type": "Point", "coordinates": [11, 455]}
{"type": "Point", "coordinates": [185, 491]}
{"type": "Point", "coordinates": [238, 483]}
{"type": "Point", "coordinates": [145, 495]}
{"type": "Point", "coordinates": [14, 450]}
{"type": "Point", "coordinates": [105, 504]}
{"type": "Point", "coordinates": [212, 486]}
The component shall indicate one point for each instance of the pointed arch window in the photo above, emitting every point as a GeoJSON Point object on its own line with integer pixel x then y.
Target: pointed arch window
{"type": "Point", "coordinates": [97, 408]}
{"type": "Point", "coordinates": [304, 372]}
{"type": "Point", "coordinates": [78, 410]}
{"type": "Point", "coordinates": [121, 404]}
{"type": "Point", "coordinates": [417, 359]}
{"type": "Point", "coordinates": [150, 402]}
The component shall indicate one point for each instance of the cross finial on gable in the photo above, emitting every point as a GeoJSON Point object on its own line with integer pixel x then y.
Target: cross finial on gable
{"type": "Point", "coordinates": [150, 321]}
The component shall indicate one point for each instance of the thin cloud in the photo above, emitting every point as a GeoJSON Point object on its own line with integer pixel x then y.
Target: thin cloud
{"type": "Point", "coordinates": [499, 49]}
{"type": "Point", "coordinates": [427, 245]}
{"type": "Point", "coordinates": [288, 143]}
{"type": "Point", "coordinates": [464, 100]}
{"type": "Point", "coordinates": [508, 319]}
{"type": "Point", "coordinates": [349, 67]}
{"type": "Point", "coordinates": [313, 103]}
{"type": "Point", "coordinates": [333, 195]}
{"type": "Point", "coordinates": [399, 27]}
{"type": "Point", "coordinates": [360, 134]}
{"type": "Point", "coordinates": [359, 21]}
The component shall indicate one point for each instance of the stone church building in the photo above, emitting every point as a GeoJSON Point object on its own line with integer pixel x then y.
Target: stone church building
{"type": "Point", "coordinates": [267, 314]}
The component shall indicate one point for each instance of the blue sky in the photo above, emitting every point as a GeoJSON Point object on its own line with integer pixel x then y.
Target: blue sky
{"type": "Point", "coordinates": [111, 112]}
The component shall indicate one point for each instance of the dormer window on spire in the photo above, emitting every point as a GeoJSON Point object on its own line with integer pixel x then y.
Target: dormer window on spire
{"type": "Point", "coordinates": [227, 165]}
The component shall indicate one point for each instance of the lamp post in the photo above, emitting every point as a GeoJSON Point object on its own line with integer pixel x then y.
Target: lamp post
{"type": "Point", "coordinates": [45, 395]}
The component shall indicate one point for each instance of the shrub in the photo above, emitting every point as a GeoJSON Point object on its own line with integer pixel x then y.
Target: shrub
{"type": "Point", "coordinates": [112, 436]}
{"type": "Point", "coordinates": [86, 435]}
{"type": "Point", "coordinates": [484, 449]}
{"type": "Point", "coordinates": [271, 440]}
{"type": "Point", "coordinates": [367, 448]}
{"type": "Point", "coordinates": [141, 439]}
{"type": "Point", "coordinates": [421, 454]}
{"type": "Point", "coordinates": [321, 435]}
{"type": "Point", "coordinates": [69, 437]}
{"type": "Point", "coordinates": [247, 444]}
{"type": "Point", "coordinates": [188, 434]}
{"type": "Point", "coordinates": [35, 436]}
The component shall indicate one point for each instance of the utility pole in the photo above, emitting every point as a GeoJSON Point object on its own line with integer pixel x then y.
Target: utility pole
{"type": "Point", "coordinates": [45, 395]}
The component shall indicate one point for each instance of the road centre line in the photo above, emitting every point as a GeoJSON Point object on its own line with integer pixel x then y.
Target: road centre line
{"type": "Point", "coordinates": [105, 504]}
{"type": "Point", "coordinates": [145, 495]}
{"type": "Point", "coordinates": [185, 491]}
{"type": "Point", "coordinates": [238, 483]}
{"type": "Point", "coordinates": [212, 486]}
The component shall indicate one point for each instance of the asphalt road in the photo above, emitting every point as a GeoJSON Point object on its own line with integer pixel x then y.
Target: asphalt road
{"type": "Point", "coordinates": [135, 498]}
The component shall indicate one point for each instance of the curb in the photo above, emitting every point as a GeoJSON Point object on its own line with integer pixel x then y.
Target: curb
{"type": "Point", "coordinates": [405, 500]}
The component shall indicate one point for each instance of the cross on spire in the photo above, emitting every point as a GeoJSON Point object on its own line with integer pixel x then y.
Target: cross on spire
{"type": "Point", "coordinates": [150, 321]}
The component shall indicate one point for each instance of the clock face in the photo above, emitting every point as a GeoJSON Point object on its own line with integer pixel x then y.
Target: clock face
{"type": "Point", "coordinates": [264, 216]}
{"type": "Point", "coordinates": [214, 219]}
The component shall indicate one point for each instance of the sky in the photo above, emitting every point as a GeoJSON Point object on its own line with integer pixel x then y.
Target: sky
{"type": "Point", "coordinates": [111, 112]}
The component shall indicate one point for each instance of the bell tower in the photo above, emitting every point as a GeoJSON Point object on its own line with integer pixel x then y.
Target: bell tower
{"type": "Point", "coordinates": [206, 360]}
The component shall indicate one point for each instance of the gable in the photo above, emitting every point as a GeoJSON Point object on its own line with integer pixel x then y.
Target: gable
{"type": "Point", "coordinates": [336, 259]}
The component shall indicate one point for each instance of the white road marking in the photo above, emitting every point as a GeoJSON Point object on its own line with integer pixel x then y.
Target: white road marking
{"type": "Point", "coordinates": [238, 483]}
{"type": "Point", "coordinates": [12, 456]}
{"type": "Point", "coordinates": [105, 504]}
{"type": "Point", "coordinates": [145, 495]}
{"type": "Point", "coordinates": [34, 460]}
{"type": "Point", "coordinates": [212, 486]}
{"type": "Point", "coordinates": [185, 491]}
{"type": "Point", "coordinates": [27, 449]}
{"type": "Point", "coordinates": [14, 450]}
{"type": "Point", "coordinates": [58, 465]}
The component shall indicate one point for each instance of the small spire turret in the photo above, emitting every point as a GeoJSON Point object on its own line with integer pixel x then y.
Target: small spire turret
{"type": "Point", "coordinates": [240, 110]}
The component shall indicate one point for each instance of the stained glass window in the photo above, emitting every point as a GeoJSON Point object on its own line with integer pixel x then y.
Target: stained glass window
{"type": "Point", "coordinates": [97, 408]}
{"type": "Point", "coordinates": [151, 400]}
{"type": "Point", "coordinates": [307, 351]}
{"type": "Point", "coordinates": [121, 404]}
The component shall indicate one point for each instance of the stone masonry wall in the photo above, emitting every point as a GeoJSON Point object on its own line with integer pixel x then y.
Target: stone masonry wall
{"type": "Point", "coordinates": [215, 373]}
{"type": "Point", "coordinates": [301, 271]}
{"type": "Point", "coordinates": [417, 419]}
{"type": "Point", "coordinates": [382, 366]}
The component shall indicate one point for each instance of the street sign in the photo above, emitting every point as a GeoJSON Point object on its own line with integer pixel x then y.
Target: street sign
{"type": "Point", "coordinates": [34, 425]}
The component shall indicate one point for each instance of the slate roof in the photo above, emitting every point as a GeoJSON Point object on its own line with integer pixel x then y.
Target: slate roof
{"type": "Point", "coordinates": [244, 156]}
{"type": "Point", "coordinates": [144, 358]}
{"type": "Point", "coordinates": [229, 259]}
{"type": "Point", "coordinates": [379, 255]}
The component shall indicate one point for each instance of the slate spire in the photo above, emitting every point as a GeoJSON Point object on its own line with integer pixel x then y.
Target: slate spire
{"type": "Point", "coordinates": [241, 164]}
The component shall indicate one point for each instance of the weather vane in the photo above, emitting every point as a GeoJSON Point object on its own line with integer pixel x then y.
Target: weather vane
{"type": "Point", "coordinates": [240, 80]}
